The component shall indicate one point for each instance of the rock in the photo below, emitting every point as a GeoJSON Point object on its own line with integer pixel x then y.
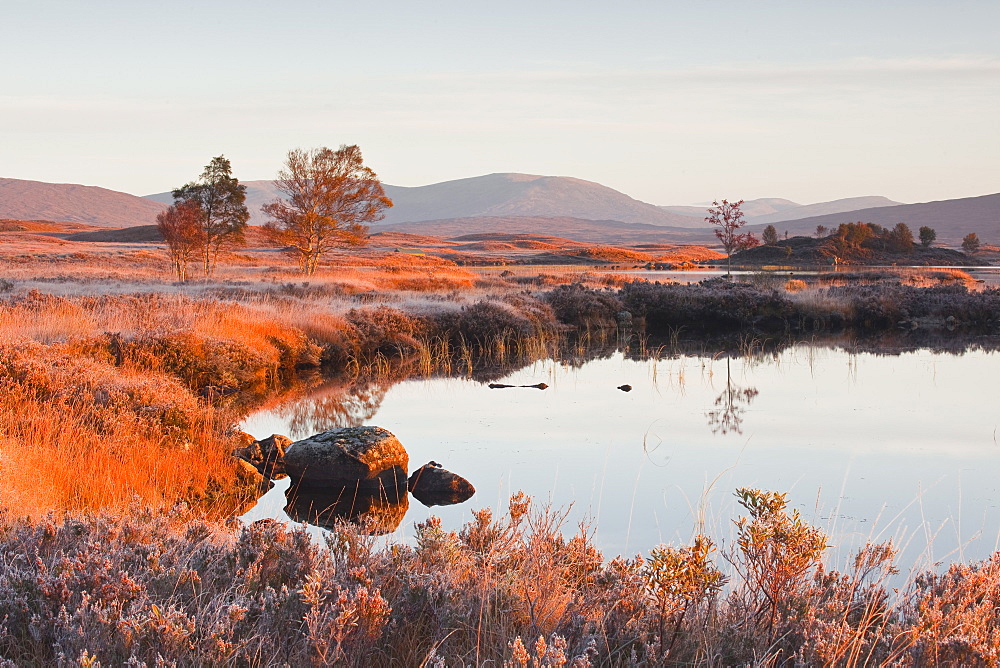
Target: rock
{"type": "Point", "coordinates": [248, 473]}
{"type": "Point", "coordinates": [267, 455]}
{"type": "Point", "coordinates": [355, 456]}
{"type": "Point", "coordinates": [272, 451]}
{"type": "Point", "coordinates": [376, 514]}
{"type": "Point", "coordinates": [625, 388]}
{"type": "Point", "coordinates": [248, 451]}
{"type": "Point", "coordinates": [432, 485]}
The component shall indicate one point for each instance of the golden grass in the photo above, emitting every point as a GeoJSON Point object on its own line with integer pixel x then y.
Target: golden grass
{"type": "Point", "coordinates": [80, 434]}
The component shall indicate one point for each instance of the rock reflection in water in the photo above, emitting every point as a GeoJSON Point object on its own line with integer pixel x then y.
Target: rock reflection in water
{"type": "Point", "coordinates": [377, 510]}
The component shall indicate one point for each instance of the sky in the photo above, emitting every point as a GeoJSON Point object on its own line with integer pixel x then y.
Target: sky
{"type": "Point", "coordinates": [669, 102]}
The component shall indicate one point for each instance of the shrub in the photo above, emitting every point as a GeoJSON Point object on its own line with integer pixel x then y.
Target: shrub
{"type": "Point", "coordinates": [583, 307]}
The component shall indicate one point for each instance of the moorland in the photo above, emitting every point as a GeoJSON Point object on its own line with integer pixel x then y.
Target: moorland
{"type": "Point", "coordinates": [121, 389]}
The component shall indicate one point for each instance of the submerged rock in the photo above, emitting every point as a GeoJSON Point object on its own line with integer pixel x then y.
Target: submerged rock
{"type": "Point", "coordinates": [432, 485]}
{"type": "Point", "coordinates": [353, 456]}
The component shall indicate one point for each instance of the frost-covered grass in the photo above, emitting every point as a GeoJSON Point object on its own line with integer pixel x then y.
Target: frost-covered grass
{"type": "Point", "coordinates": [153, 588]}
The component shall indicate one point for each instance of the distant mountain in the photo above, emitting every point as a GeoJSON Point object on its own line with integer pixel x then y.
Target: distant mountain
{"type": "Point", "coordinates": [750, 208]}
{"type": "Point", "coordinates": [495, 195]}
{"type": "Point", "coordinates": [774, 209]}
{"type": "Point", "coordinates": [35, 200]}
{"type": "Point", "coordinates": [952, 219]}
{"type": "Point", "coordinates": [822, 209]}
{"type": "Point", "coordinates": [524, 195]}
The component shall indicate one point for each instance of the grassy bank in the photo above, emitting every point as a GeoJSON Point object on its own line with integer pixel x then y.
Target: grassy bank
{"type": "Point", "coordinates": [140, 588]}
{"type": "Point", "coordinates": [115, 396]}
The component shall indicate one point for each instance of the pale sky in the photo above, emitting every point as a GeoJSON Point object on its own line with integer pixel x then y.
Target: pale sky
{"type": "Point", "coordinates": [669, 102]}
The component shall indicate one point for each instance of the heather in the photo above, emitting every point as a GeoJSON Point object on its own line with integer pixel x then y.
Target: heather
{"type": "Point", "coordinates": [144, 588]}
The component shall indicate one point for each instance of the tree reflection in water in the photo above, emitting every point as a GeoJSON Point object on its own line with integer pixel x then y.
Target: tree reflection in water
{"type": "Point", "coordinates": [334, 406]}
{"type": "Point", "coordinates": [727, 416]}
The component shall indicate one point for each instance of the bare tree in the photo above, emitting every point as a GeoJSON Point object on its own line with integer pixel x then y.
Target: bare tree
{"type": "Point", "coordinates": [727, 218]}
{"type": "Point", "coordinates": [329, 196]}
{"type": "Point", "coordinates": [180, 226]}
{"type": "Point", "coordinates": [222, 201]}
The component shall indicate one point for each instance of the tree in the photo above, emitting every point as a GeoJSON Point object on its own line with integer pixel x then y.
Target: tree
{"type": "Point", "coordinates": [900, 238]}
{"type": "Point", "coordinates": [821, 231]}
{"type": "Point", "coordinates": [329, 196]}
{"type": "Point", "coordinates": [769, 235]}
{"type": "Point", "coordinates": [927, 236]}
{"type": "Point", "coordinates": [181, 228]}
{"type": "Point", "coordinates": [727, 218]}
{"type": "Point", "coordinates": [970, 243]}
{"type": "Point", "coordinates": [222, 201]}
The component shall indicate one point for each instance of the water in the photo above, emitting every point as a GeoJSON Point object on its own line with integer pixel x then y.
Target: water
{"type": "Point", "coordinates": [869, 447]}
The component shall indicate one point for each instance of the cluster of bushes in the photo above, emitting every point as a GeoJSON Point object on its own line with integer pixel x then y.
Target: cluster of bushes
{"type": "Point", "coordinates": [143, 589]}
{"type": "Point", "coordinates": [721, 306]}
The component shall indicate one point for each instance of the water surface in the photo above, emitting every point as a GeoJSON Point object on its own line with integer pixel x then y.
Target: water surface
{"type": "Point", "coordinates": [867, 446]}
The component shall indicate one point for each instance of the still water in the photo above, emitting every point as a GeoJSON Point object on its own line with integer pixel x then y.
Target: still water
{"type": "Point", "coordinates": [869, 447]}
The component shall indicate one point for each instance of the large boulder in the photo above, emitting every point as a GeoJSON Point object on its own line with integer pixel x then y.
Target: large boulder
{"type": "Point", "coordinates": [366, 457]}
{"type": "Point", "coordinates": [432, 485]}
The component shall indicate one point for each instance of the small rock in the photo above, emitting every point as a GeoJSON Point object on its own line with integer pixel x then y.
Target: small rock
{"type": "Point", "coordinates": [432, 485]}
{"type": "Point", "coordinates": [625, 388]}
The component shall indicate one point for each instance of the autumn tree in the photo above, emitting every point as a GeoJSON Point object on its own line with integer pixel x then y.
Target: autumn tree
{"type": "Point", "coordinates": [970, 243]}
{"type": "Point", "coordinates": [770, 235]}
{"type": "Point", "coordinates": [221, 200]}
{"type": "Point", "coordinates": [727, 218]}
{"type": "Point", "coordinates": [927, 236]}
{"type": "Point", "coordinates": [329, 196]}
{"type": "Point", "coordinates": [180, 226]}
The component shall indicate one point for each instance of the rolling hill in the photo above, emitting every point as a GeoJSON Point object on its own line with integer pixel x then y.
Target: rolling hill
{"type": "Point", "coordinates": [773, 209]}
{"type": "Point", "coordinates": [36, 200]}
{"type": "Point", "coordinates": [952, 219]}
{"type": "Point", "coordinates": [493, 195]}
{"type": "Point", "coordinates": [577, 229]}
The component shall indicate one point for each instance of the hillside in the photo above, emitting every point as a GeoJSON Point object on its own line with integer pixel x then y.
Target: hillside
{"type": "Point", "coordinates": [952, 219]}
{"type": "Point", "coordinates": [493, 195]}
{"type": "Point", "coordinates": [509, 195]}
{"type": "Point", "coordinates": [577, 229]}
{"type": "Point", "coordinates": [809, 252]}
{"type": "Point", "coordinates": [35, 200]}
{"type": "Point", "coordinates": [751, 208]}
{"type": "Point", "coordinates": [773, 209]}
{"type": "Point", "coordinates": [822, 209]}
